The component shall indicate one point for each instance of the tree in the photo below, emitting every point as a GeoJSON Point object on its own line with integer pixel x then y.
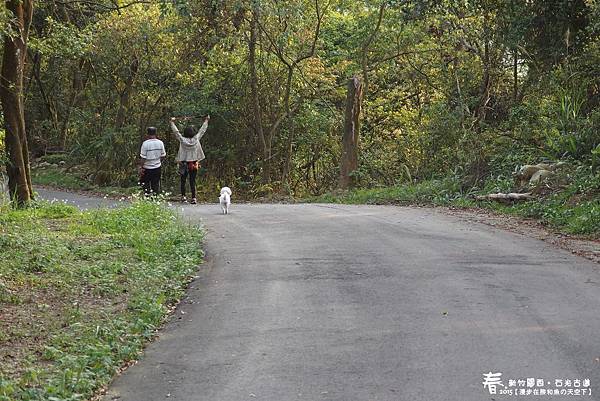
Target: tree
{"type": "Point", "coordinates": [11, 97]}
{"type": "Point", "coordinates": [446, 86]}
{"type": "Point", "coordinates": [349, 160]}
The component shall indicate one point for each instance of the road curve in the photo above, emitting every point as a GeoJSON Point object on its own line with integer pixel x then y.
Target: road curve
{"type": "Point", "coordinates": [323, 302]}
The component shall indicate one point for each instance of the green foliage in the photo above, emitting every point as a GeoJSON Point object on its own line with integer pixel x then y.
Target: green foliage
{"type": "Point", "coordinates": [56, 177]}
{"type": "Point", "coordinates": [99, 283]}
{"type": "Point", "coordinates": [440, 192]}
{"type": "Point", "coordinates": [55, 158]}
{"type": "Point", "coordinates": [470, 89]}
{"type": "Point", "coordinates": [574, 209]}
{"type": "Point", "coordinates": [63, 41]}
{"type": "Point", "coordinates": [596, 157]}
{"type": "Point", "coordinates": [73, 178]}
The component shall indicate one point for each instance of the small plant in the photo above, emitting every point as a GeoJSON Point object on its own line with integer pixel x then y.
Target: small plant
{"type": "Point", "coordinates": [596, 157]}
{"type": "Point", "coordinates": [99, 284]}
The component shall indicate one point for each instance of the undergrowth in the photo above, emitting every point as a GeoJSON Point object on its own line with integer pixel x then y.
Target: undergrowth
{"type": "Point", "coordinates": [81, 292]}
{"type": "Point", "coordinates": [573, 209]}
{"type": "Point", "coordinates": [56, 177]}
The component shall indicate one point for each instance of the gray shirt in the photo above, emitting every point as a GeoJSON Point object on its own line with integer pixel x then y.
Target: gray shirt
{"type": "Point", "coordinates": [152, 150]}
{"type": "Point", "coordinates": [189, 148]}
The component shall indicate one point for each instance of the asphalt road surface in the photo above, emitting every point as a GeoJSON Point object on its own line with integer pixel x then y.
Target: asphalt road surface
{"type": "Point", "coordinates": [324, 302]}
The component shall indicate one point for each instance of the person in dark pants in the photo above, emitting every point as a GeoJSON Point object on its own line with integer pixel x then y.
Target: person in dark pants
{"type": "Point", "coordinates": [190, 155]}
{"type": "Point", "coordinates": [151, 155]}
{"type": "Point", "coordinates": [188, 171]}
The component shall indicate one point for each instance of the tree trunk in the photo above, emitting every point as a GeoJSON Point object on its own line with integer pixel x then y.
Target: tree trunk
{"type": "Point", "coordinates": [11, 98]}
{"type": "Point", "coordinates": [484, 89]}
{"type": "Point", "coordinates": [349, 160]}
{"type": "Point", "coordinates": [515, 74]}
{"type": "Point", "coordinates": [78, 85]}
{"type": "Point", "coordinates": [256, 109]}
{"type": "Point", "coordinates": [367, 45]}
{"type": "Point", "coordinates": [125, 95]}
{"type": "Point", "coordinates": [50, 107]}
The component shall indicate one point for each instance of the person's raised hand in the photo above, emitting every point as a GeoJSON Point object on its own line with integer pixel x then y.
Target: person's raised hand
{"type": "Point", "coordinates": [207, 118]}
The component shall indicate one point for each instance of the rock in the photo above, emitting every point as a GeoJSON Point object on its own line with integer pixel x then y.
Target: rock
{"type": "Point", "coordinates": [525, 175]}
{"type": "Point", "coordinates": [545, 166]}
{"type": "Point", "coordinates": [539, 177]}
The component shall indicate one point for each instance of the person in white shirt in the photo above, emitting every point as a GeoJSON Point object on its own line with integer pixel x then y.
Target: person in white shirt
{"type": "Point", "coordinates": [151, 155]}
{"type": "Point", "coordinates": [190, 155]}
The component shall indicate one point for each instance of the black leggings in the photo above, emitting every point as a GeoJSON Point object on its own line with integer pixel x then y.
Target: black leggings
{"type": "Point", "coordinates": [185, 173]}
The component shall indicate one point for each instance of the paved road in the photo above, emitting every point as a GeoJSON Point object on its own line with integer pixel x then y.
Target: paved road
{"type": "Point", "coordinates": [322, 302]}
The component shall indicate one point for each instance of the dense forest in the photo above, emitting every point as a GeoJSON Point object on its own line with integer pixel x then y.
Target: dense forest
{"type": "Point", "coordinates": [470, 89]}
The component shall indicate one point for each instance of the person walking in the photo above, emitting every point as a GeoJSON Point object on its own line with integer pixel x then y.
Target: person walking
{"type": "Point", "coordinates": [151, 155]}
{"type": "Point", "coordinates": [189, 156]}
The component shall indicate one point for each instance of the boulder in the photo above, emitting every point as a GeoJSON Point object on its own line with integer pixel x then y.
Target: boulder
{"type": "Point", "coordinates": [541, 171]}
{"type": "Point", "coordinates": [539, 177]}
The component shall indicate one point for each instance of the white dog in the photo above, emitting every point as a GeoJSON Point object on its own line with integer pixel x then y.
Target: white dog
{"type": "Point", "coordinates": [225, 199]}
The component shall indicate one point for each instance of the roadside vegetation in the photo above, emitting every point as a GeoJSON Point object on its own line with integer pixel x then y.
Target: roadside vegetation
{"type": "Point", "coordinates": [55, 171]}
{"type": "Point", "coordinates": [375, 101]}
{"type": "Point", "coordinates": [573, 207]}
{"type": "Point", "coordinates": [82, 292]}
{"type": "Point", "coordinates": [467, 89]}
{"type": "Point", "coordinates": [449, 99]}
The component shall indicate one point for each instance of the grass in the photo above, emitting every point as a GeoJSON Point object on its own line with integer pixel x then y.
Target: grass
{"type": "Point", "coordinates": [82, 292]}
{"type": "Point", "coordinates": [56, 177]}
{"type": "Point", "coordinates": [433, 192]}
{"type": "Point", "coordinates": [575, 209]}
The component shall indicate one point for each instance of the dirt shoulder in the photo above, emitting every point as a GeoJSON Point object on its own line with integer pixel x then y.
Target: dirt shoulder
{"type": "Point", "coordinates": [586, 247]}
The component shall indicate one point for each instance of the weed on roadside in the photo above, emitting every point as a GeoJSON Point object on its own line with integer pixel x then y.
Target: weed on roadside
{"type": "Point", "coordinates": [80, 293]}
{"type": "Point", "coordinates": [574, 209]}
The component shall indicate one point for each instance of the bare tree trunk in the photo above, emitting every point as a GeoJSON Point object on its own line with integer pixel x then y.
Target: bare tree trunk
{"type": "Point", "coordinates": [349, 159]}
{"type": "Point", "coordinates": [484, 89]}
{"type": "Point", "coordinates": [11, 97]}
{"type": "Point", "coordinates": [50, 107]}
{"type": "Point", "coordinates": [366, 47]}
{"type": "Point", "coordinates": [356, 92]}
{"type": "Point", "coordinates": [291, 64]}
{"type": "Point", "coordinates": [125, 96]}
{"type": "Point", "coordinates": [78, 85]}
{"type": "Point", "coordinates": [515, 74]}
{"type": "Point", "coordinates": [256, 109]}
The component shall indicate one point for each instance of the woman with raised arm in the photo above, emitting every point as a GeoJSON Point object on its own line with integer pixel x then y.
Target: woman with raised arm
{"type": "Point", "coordinates": [190, 155]}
